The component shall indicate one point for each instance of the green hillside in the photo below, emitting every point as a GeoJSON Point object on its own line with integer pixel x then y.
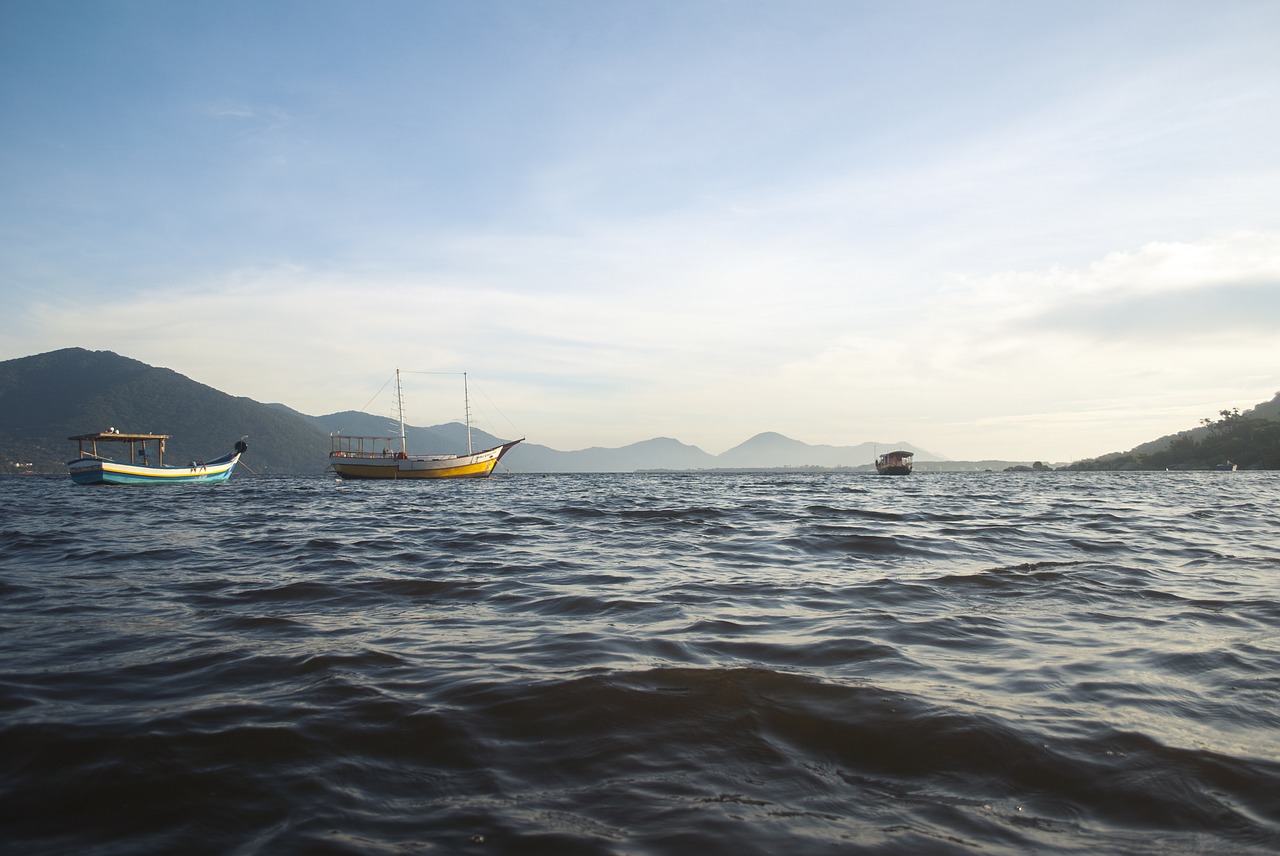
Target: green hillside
{"type": "Point", "coordinates": [1266, 410]}
{"type": "Point", "coordinates": [1249, 440]}
{"type": "Point", "coordinates": [45, 399]}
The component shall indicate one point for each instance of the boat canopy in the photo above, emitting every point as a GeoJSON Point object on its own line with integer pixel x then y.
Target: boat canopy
{"type": "Point", "coordinates": [111, 435]}
{"type": "Point", "coordinates": [353, 446]}
{"type": "Point", "coordinates": [117, 437]}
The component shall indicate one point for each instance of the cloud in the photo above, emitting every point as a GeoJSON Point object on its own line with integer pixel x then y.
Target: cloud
{"type": "Point", "coordinates": [1163, 289]}
{"type": "Point", "coordinates": [227, 109]}
{"type": "Point", "coordinates": [717, 353]}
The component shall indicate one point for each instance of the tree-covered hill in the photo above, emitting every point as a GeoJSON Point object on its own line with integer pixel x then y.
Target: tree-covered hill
{"type": "Point", "coordinates": [1265, 410]}
{"type": "Point", "coordinates": [45, 399]}
{"type": "Point", "coordinates": [1248, 441]}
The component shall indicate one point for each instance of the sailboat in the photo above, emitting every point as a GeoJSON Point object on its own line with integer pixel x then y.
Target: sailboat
{"type": "Point", "coordinates": [353, 457]}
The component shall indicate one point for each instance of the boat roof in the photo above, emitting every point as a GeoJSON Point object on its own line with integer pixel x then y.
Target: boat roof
{"type": "Point", "coordinates": [899, 452]}
{"type": "Point", "coordinates": [119, 437]}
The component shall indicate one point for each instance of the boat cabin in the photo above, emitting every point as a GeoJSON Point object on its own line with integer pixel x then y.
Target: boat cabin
{"type": "Point", "coordinates": [138, 452]}
{"type": "Point", "coordinates": [897, 463]}
{"type": "Point", "coordinates": [350, 446]}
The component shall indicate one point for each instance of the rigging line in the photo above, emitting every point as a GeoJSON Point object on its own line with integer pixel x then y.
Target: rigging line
{"type": "Point", "coordinates": [462, 375]}
{"type": "Point", "coordinates": [497, 408]}
{"type": "Point", "coordinates": [365, 409]}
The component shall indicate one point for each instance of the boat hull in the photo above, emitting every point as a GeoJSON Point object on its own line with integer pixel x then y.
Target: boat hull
{"type": "Point", "coordinates": [894, 471]}
{"type": "Point", "coordinates": [477, 466]}
{"type": "Point", "coordinates": [104, 471]}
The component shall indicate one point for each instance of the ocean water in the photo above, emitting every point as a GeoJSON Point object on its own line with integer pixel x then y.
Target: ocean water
{"type": "Point", "coordinates": [789, 663]}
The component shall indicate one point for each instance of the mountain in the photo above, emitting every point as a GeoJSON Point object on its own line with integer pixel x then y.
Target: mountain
{"type": "Point", "coordinates": [774, 450]}
{"type": "Point", "coordinates": [660, 453]}
{"type": "Point", "coordinates": [1265, 410]}
{"type": "Point", "coordinates": [45, 399]}
{"type": "Point", "coordinates": [441, 438]}
{"type": "Point", "coordinates": [1246, 441]}
{"type": "Point", "coordinates": [48, 397]}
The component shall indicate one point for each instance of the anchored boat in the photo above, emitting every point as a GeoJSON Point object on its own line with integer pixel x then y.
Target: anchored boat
{"type": "Point", "coordinates": [353, 457]}
{"type": "Point", "coordinates": [91, 467]}
{"type": "Point", "coordinates": [895, 463]}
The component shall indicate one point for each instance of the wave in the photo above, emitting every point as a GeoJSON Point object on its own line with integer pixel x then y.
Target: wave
{"type": "Point", "coordinates": [754, 664]}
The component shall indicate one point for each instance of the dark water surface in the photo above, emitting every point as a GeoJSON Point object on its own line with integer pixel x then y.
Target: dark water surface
{"type": "Point", "coordinates": [747, 664]}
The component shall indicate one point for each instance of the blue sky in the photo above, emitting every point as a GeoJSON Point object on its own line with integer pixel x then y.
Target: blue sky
{"type": "Point", "coordinates": [992, 229]}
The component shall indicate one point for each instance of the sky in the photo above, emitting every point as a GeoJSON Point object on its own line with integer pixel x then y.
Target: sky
{"type": "Point", "coordinates": [994, 230]}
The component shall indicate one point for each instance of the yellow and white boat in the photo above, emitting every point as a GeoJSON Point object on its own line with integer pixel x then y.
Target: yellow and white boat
{"type": "Point", "coordinates": [353, 457]}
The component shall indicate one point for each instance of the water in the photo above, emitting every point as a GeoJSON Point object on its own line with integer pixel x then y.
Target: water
{"type": "Point", "coordinates": [762, 663]}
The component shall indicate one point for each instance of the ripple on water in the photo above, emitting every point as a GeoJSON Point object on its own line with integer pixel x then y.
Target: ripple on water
{"type": "Point", "coordinates": [764, 662]}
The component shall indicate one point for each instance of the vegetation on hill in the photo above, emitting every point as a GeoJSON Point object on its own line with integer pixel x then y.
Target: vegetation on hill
{"type": "Point", "coordinates": [49, 397]}
{"type": "Point", "coordinates": [1249, 442]}
{"type": "Point", "coordinates": [1265, 410]}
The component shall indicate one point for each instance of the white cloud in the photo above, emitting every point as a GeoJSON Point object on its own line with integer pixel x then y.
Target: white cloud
{"type": "Point", "coordinates": [228, 109]}
{"type": "Point", "coordinates": [978, 369]}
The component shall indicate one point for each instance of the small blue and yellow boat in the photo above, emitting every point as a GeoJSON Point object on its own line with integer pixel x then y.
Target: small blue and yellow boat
{"type": "Point", "coordinates": [90, 467]}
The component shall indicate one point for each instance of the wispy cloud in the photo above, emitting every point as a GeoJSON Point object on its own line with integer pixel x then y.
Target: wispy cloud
{"type": "Point", "coordinates": [1049, 349]}
{"type": "Point", "coordinates": [227, 109]}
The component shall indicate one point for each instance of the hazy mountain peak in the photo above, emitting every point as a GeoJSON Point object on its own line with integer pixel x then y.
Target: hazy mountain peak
{"type": "Point", "coordinates": [48, 397]}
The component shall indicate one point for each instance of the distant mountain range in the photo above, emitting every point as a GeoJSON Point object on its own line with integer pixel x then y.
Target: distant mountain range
{"type": "Point", "coordinates": [46, 398]}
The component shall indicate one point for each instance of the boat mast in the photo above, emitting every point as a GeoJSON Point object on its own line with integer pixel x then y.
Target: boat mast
{"type": "Point", "coordinates": [400, 411]}
{"type": "Point", "coordinates": [466, 406]}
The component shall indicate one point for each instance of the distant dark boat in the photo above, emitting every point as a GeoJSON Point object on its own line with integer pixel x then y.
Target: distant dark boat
{"type": "Point", "coordinates": [1227, 467]}
{"type": "Point", "coordinates": [90, 467]}
{"type": "Point", "coordinates": [894, 463]}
